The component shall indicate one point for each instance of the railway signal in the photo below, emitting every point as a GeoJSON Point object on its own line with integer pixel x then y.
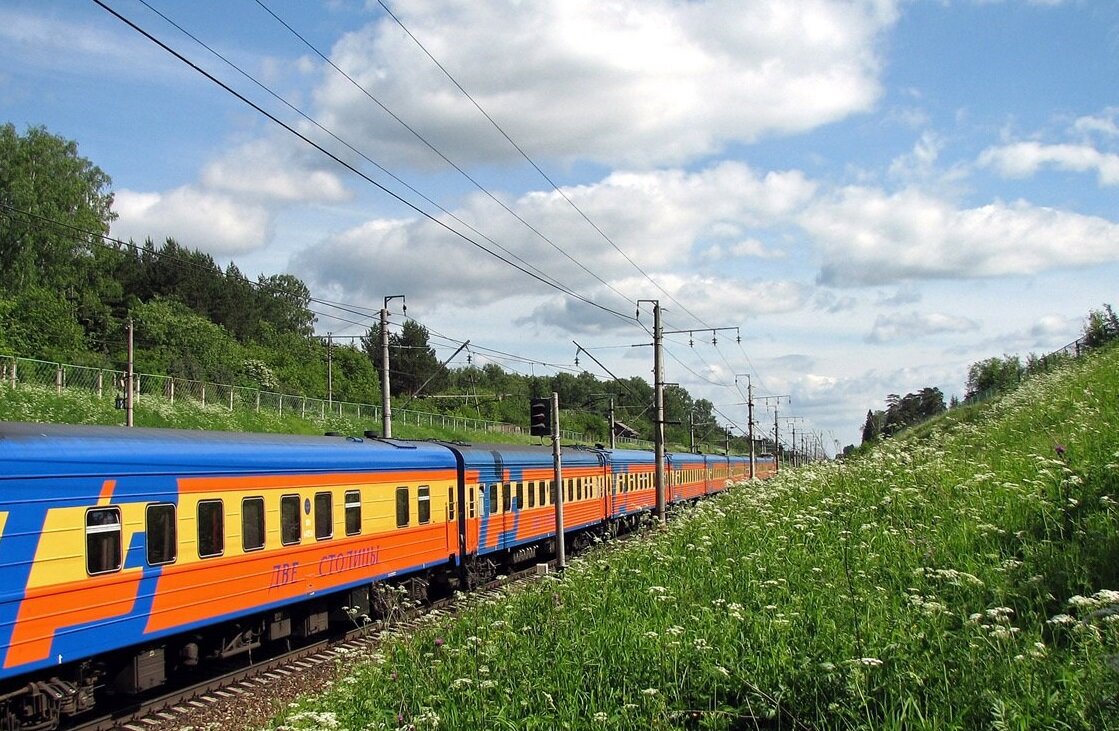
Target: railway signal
{"type": "Point", "coordinates": [540, 417]}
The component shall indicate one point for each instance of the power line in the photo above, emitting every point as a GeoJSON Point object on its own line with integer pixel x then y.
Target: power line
{"type": "Point", "coordinates": [351, 168]}
{"type": "Point", "coordinates": [531, 162]}
{"type": "Point", "coordinates": [353, 149]}
{"type": "Point", "coordinates": [438, 152]}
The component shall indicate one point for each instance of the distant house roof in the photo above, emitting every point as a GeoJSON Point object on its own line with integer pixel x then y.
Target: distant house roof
{"type": "Point", "coordinates": [621, 430]}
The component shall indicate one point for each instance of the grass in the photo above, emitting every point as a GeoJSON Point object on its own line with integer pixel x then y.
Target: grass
{"type": "Point", "coordinates": [960, 579]}
{"type": "Point", "coordinates": [77, 406]}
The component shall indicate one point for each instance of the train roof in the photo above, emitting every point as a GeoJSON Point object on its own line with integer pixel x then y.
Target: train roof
{"type": "Point", "coordinates": [56, 449]}
{"type": "Point", "coordinates": [524, 454]}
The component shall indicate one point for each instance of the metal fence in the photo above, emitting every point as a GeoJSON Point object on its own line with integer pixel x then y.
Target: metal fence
{"type": "Point", "coordinates": [107, 383]}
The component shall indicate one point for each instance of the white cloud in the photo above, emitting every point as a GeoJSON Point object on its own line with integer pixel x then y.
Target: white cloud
{"type": "Point", "coordinates": [869, 237]}
{"type": "Point", "coordinates": [196, 219]}
{"type": "Point", "coordinates": [920, 162]}
{"type": "Point", "coordinates": [899, 326]}
{"type": "Point", "coordinates": [656, 218]}
{"type": "Point", "coordinates": [1023, 159]}
{"type": "Point", "coordinates": [267, 169]}
{"type": "Point", "coordinates": [637, 82]}
{"type": "Point", "coordinates": [1103, 124]}
{"type": "Point", "coordinates": [755, 248]}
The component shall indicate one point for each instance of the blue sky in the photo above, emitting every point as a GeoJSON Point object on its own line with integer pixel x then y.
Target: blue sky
{"type": "Point", "coordinates": [876, 192]}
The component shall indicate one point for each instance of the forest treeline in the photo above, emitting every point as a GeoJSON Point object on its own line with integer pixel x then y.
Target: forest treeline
{"type": "Point", "coordinates": [68, 291]}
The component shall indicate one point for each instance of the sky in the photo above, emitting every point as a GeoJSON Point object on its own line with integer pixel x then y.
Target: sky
{"type": "Point", "coordinates": [870, 194]}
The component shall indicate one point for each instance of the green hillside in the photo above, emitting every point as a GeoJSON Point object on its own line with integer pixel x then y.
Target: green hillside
{"type": "Point", "coordinates": [961, 578]}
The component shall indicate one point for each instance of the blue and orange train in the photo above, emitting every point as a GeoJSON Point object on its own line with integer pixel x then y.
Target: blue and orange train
{"type": "Point", "coordinates": [130, 555]}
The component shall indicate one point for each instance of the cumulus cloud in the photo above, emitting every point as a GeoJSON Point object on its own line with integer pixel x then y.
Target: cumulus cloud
{"type": "Point", "coordinates": [197, 219]}
{"type": "Point", "coordinates": [899, 326]}
{"type": "Point", "coordinates": [655, 218]}
{"type": "Point", "coordinates": [1101, 124]}
{"type": "Point", "coordinates": [270, 170]}
{"type": "Point", "coordinates": [1023, 159]}
{"type": "Point", "coordinates": [636, 82]}
{"type": "Point", "coordinates": [869, 237]}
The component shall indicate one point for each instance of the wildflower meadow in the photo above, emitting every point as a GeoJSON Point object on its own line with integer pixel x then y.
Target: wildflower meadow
{"type": "Point", "coordinates": [963, 576]}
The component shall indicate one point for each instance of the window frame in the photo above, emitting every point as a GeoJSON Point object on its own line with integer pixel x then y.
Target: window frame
{"type": "Point", "coordinates": [100, 528]}
{"type": "Point", "coordinates": [403, 508]}
{"type": "Point", "coordinates": [423, 504]}
{"type": "Point", "coordinates": [351, 504]}
{"type": "Point", "coordinates": [285, 540]}
{"type": "Point", "coordinates": [245, 547]}
{"type": "Point", "coordinates": [323, 511]}
{"type": "Point", "coordinates": [208, 503]}
{"type": "Point", "coordinates": [174, 529]}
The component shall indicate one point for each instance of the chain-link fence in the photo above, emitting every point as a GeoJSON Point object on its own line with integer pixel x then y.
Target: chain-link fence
{"type": "Point", "coordinates": [107, 383]}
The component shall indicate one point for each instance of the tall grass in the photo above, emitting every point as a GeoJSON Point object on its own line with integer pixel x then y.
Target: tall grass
{"type": "Point", "coordinates": [74, 406]}
{"type": "Point", "coordinates": [960, 579]}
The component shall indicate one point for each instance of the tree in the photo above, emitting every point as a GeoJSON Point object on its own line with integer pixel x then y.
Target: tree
{"type": "Point", "coordinates": [993, 375]}
{"type": "Point", "coordinates": [412, 360]}
{"type": "Point", "coordinates": [285, 302]}
{"type": "Point", "coordinates": [42, 175]}
{"type": "Point", "coordinates": [174, 340]}
{"type": "Point", "coordinates": [1100, 327]}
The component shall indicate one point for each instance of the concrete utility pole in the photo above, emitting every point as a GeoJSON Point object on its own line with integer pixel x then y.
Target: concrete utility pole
{"type": "Point", "coordinates": [776, 434]}
{"type": "Point", "coordinates": [129, 379]}
{"type": "Point", "coordinates": [386, 398]}
{"type": "Point", "coordinates": [329, 368]}
{"type": "Point", "coordinates": [658, 399]}
{"type": "Point", "coordinates": [613, 439]}
{"type": "Point", "coordinates": [557, 463]}
{"type": "Point", "coordinates": [658, 390]}
{"type": "Point", "coordinates": [750, 421]}
{"type": "Point", "coordinates": [793, 423]}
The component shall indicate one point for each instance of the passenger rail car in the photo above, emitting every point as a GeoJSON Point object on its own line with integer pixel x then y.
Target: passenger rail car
{"type": "Point", "coordinates": [129, 556]}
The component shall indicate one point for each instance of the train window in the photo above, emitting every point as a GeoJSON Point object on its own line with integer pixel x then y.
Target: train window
{"type": "Point", "coordinates": [353, 512]}
{"type": "Point", "coordinates": [252, 523]}
{"type": "Point", "coordinates": [402, 517]}
{"type": "Point", "coordinates": [450, 504]}
{"type": "Point", "coordinates": [506, 497]}
{"type": "Point", "coordinates": [324, 516]}
{"type": "Point", "coordinates": [520, 496]}
{"type": "Point", "coordinates": [492, 495]}
{"type": "Point", "coordinates": [423, 512]}
{"type": "Point", "coordinates": [160, 534]}
{"type": "Point", "coordinates": [532, 494]}
{"type": "Point", "coordinates": [211, 528]}
{"type": "Point", "coordinates": [570, 490]}
{"type": "Point", "coordinates": [102, 540]}
{"type": "Point", "coordinates": [543, 487]}
{"type": "Point", "coordinates": [473, 503]}
{"type": "Point", "coordinates": [290, 532]}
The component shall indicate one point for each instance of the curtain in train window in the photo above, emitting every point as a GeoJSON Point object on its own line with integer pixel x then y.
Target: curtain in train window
{"type": "Point", "coordinates": [290, 531]}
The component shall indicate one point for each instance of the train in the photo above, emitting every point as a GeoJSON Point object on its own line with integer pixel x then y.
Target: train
{"type": "Point", "coordinates": [130, 557]}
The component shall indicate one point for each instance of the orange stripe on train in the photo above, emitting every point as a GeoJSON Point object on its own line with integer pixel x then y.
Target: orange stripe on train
{"type": "Point", "coordinates": [45, 611]}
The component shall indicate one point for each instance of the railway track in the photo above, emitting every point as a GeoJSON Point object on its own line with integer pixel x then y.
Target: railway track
{"type": "Point", "coordinates": [248, 697]}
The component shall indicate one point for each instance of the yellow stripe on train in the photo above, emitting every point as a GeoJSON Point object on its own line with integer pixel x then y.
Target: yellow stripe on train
{"type": "Point", "coordinates": [3, 520]}
{"type": "Point", "coordinates": [61, 554]}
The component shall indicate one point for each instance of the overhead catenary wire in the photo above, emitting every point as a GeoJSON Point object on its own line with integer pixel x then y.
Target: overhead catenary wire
{"type": "Point", "coordinates": [524, 269]}
{"type": "Point", "coordinates": [531, 162]}
{"type": "Point", "coordinates": [401, 199]}
{"type": "Point", "coordinates": [440, 153]}
{"type": "Point", "coordinates": [356, 151]}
